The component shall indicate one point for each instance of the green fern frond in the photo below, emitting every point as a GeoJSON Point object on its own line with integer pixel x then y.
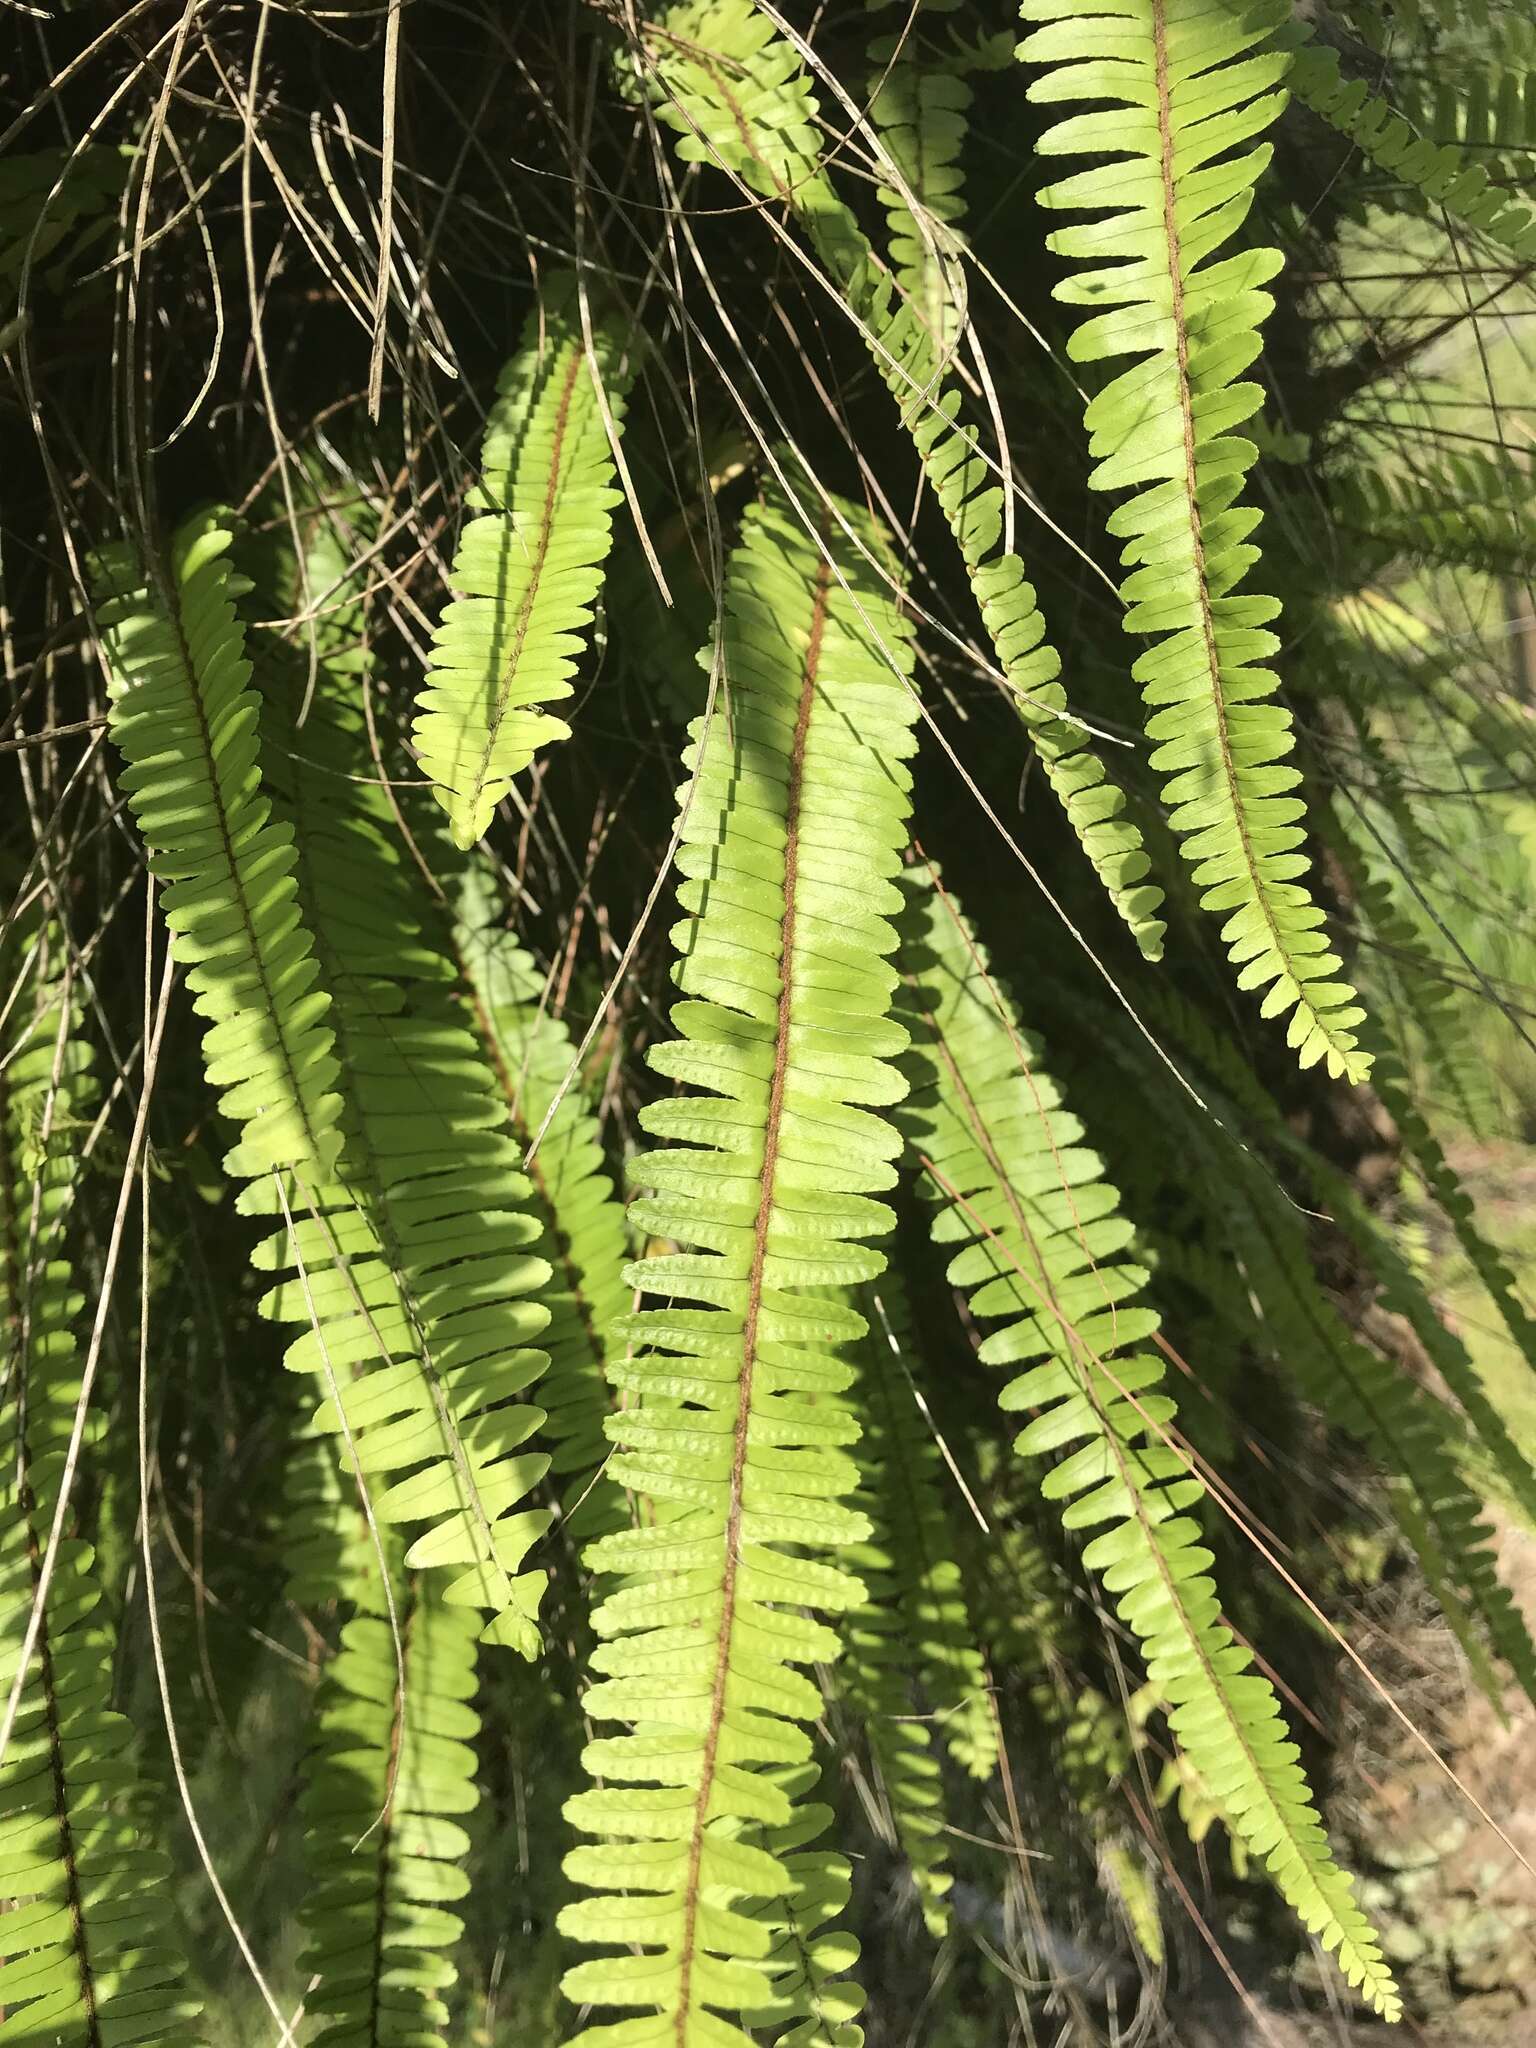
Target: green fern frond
{"type": "Point", "coordinates": [1391, 1082]}
{"type": "Point", "coordinates": [1466, 510]}
{"type": "Point", "coordinates": [529, 564]}
{"type": "Point", "coordinates": [582, 1234]}
{"type": "Point", "coordinates": [87, 1950]}
{"type": "Point", "coordinates": [1042, 1248]}
{"type": "Point", "coordinates": [184, 716]}
{"type": "Point", "coordinates": [792, 826]}
{"type": "Point", "coordinates": [393, 1769]}
{"type": "Point", "coordinates": [1409, 1433]}
{"type": "Point", "coordinates": [409, 1268]}
{"type": "Point", "coordinates": [906, 1485]}
{"type": "Point", "coordinates": [738, 96]}
{"type": "Point", "coordinates": [1441, 172]}
{"type": "Point", "coordinates": [911, 1667]}
{"type": "Point", "coordinates": [1187, 84]}
{"type": "Point", "coordinates": [919, 106]}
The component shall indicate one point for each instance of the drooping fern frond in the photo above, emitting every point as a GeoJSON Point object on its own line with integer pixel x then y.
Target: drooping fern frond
{"type": "Point", "coordinates": [1042, 1257]}
{"type": "Point", "coordinates": [911, 1668]}
{"type": "Point", "coordinates": [184, 716]}
{"type": "Point", "coordinates": [1440, 172]}
{"type": "Point", "coordinates": [1419, 1140]}
{"type": "Point", "coordinates": [529, 564]}
{"type": "Point", "coordinates": [393, 1768]}
{"type": "Point", "coordinates": [907, 1475]}
{"type": "Point", "coordinates": [919, 105]}
{"type": "Point", "coordinates": [87, 1950]}
{"type": "Point", "coordinates": [1187, 84]}
{"type": "Point", "coordinates": [740, 98]}
{"type": "Point", "coordinates": [1466, 510]}
{"type": "Point", "coordinates": [582, 1233]}
{"type": "Point", "coordinates": [1410, 1434]}
{"type": "Point", "coordinates": [409, 1267]}
{"type": "Point", "coordinates": [791, 833]}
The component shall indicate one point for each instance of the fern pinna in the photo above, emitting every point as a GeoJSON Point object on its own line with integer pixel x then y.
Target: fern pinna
{"type": "Point", "coordinates": [1042, 1253]}
{"type": "Point", "coordinates": [528, 566]}
{"type": "Point", "coordinates": [792, 823]}
{"type": "Point", "coordinates": [88, 1953]}
{"type": "Point", "coordinates": [1188, 83]}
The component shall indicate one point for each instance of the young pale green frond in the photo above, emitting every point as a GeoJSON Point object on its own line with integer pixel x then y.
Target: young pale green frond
{"type": "Point", "coordinates": [792, 826]}
{"type": "Point", "coordinates": [384, 1846]}
{"type": "Point", "coordinates": [529, 564]}
{"type": "Point", "coordinates": [87, 1950]}
{"type": "Point", "coordinates": [1179, 89]}
{"type": "Point", "coordinates": [1043, 1257]}
{"type": "Point", "coordinates": [184, 717]}
{"type": "Point", "coordinates": [581, 1220]}
{"type": "Point", "coordinates": [739, 96]}
{"type": "Point", "coordinates": [410, 1268]}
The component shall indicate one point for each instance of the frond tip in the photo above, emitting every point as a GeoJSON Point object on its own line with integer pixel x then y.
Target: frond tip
{"type": "Point", "coordinates": [528, 567]}
{"type": "Point", "coordinates": [1187, 82]}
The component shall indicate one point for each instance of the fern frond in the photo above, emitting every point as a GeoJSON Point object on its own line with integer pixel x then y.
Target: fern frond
{"type": "Point", "coordinates": [88, 1954]}
{"type": "Point", "coordinates": [1042, 1255]}
{"type": "Point", "coordinates": [184, 717]}
{"type": "Point", "coordinates": [911, 1667]}
{"type": "Point", "coordinates": [739, 97]}
{"type": "Point", "coordinates": [1187, 85]}
{"type": "Point", "coordinates": [409, 1268]}
{"type": "Point", "coordinates": [919, 106]}
{"type": "Point", "coordinates": [791, 834]}
{"type": "Point", "coordinates": [1467, 510]}
{"type": "Point", "coordinates": [1439, 172]}
{"type": "Point", "coordinates": [392, 1771]}
{"type": "Point", "coordinates": [905, 1488]}
{"type": "Point", "coordinates": [1409, 1433]}
{"type": "Point", "coordinates": [528, 567]}
{"type": "Point", "coordinates": [582, 1234]}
